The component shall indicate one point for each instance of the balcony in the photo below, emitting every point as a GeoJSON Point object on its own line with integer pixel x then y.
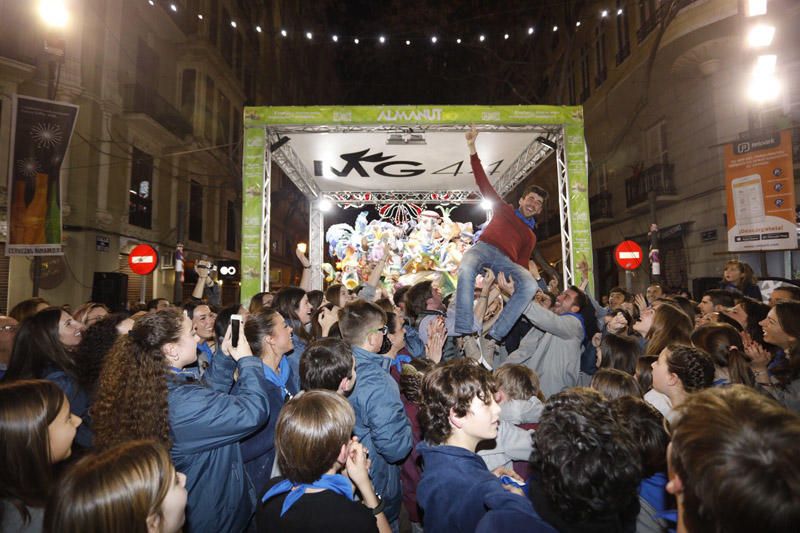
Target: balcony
{"type": "Point", "coordinates": [657, 16]}
{"type": "Point", "coordinates": [600, 207]}
{"type": "Point", "coordinates": [146, 100]}
{"type": "Point", "coordinates": [623, 53]}
{"type": "Point", "coordinates": [657, 178]}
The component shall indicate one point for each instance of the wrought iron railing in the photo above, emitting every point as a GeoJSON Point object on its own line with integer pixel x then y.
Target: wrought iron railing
{"type": "Point", "coordinates": [658, 178]}
{"type": "Point", "coordinates": [139, 98]}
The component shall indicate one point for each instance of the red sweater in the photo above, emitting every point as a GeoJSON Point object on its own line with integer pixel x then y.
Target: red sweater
{"type": "Point", "coordinates": [506, 231]}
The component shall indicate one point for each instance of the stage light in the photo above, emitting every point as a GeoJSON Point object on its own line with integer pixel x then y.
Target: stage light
{"type": "Point", "coordinates": [486, 204]}
{"type": "Point", "coordinates": [578, 24]}
{"type": "Point", "coordinates": [258, 29]}
{"type": "Point", "coordinates": [604, 13]}
{"type": "Point", "coordinates": [200, 16]}
{"type": "Point", "coordinates": [458, 41]}
{"type": "Point", "coordinates": [382, 39]}
{"type": "Point", "coordinates": [54, 13]}
{"type": "Point", "coordinates": [233, 24]}
{"type": "Point", "coordinates": [555, 28]}
{"type": "Point", "coordinates": [173, 7]}
{"type": "Point", "coordinates": [619, 12]}
{"type": "Point", "coordinates": [482, 38]}
{"type": "Point", "coordinates": [284, 33]}
{"type": "Point", "coordinates": [530, 31]}
{"type": "Point", "coordinates": [309, 35]}
{"type": "Point", "coordinates": [760, 36]}
{"type": "Point", "coordinates": [506, 36]}
{"type": "Point", "coordinates": [763, 88]}
{"type": "Point", "coordinates": [408, 43]}
{"type": "Point", "coordinates": [335, 38]}
{"type": "Point", "coordinates": [325, 205]}
{"type": "Point", "coordinates": [755, 8]}
{"type": "Point", "coordinates": [765, 65]}
{"type": "Point", "coordinates": [434, 39]}
{"type": "Point", "coordinates": [356, 40]}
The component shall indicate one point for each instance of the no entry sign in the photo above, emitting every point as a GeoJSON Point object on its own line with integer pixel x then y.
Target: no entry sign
{"type": "Point", "coordinates": [143, 259]}
{"type": "Point", "coordinates": [628, 255]}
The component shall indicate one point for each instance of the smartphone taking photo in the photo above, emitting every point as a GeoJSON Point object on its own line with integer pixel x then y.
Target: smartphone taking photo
{"type": "Point", "coordinates": [236, 323]}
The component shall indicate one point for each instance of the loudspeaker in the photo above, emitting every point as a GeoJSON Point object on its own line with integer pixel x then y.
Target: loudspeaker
{"type": "Point", "coordinates": [111, 289]}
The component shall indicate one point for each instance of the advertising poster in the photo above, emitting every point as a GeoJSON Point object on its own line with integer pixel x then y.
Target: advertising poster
{"type": "Point", "coordinates": [40, 135]}
{"type": "Point", "coordinates": [252, 212]}
{"type": "Point", "coordinates": [575, 148]}
{"type": "Point", "coordinates": [759, 184]}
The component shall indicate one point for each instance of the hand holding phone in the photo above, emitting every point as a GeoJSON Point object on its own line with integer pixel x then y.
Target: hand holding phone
{"type": "Point", "coordinates": [236, 322]}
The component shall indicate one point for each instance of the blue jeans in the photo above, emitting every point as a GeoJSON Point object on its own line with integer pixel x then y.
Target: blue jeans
{"type": "Point", "coordinates": [481, 256]}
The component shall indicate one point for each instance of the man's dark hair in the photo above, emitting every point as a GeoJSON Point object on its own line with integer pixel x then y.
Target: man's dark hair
{"type": "Point", "coordinates": [417, 298]}
{"type": "Point", "coordinates": [587, 312]}
{"type": "Point", "coordinates": [325, 363]}
{"type": "Point", "coordinates": [628, 296]}
{"type": "Point", "coordinates": [587, 463]}
{"type": "Point", "coordinates": [356, 318]}
{"type": "Point", "coordinates": [646, 426]}
{"type": "Point", "coordinates": [735, 452]}
{"type": "Point", "coordinates": [399, 295]}
{"type": "Point", "coordinates": [793, 290]}
{"type": "Point", "coordinates": [152, 305]}
{"type": "Point", "coordinates": [721, 297]}
{"type": "Point", "coordinates": [534, 189]}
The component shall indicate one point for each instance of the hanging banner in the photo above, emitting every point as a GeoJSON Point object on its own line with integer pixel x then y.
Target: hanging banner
{"type": "Point", "coordinates": [578, 184]}
{"type": "Point", "coordinates": [253, 169]}
{"type": "Point", "coordinates": [40, 134]}
{"type": "Point", "coordinates": [759, 185]}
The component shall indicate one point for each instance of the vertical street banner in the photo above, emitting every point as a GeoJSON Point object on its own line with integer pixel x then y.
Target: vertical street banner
{"type": "Point", "coordinates": [253, 210]}
{"type": "Point", "coordinates": [40, 134]}
{"type": "Point", "coordinates": [578, 175]}
{"type": "Point", "coordinates": [759, 184]}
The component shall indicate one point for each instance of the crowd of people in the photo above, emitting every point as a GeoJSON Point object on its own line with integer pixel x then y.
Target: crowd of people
{"type": "Point", "coordinates": [506, 406]}
{"type": "Point", "coordinates": [361, 410]}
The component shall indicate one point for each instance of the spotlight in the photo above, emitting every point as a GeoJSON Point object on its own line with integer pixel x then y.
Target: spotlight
{"type": "Point", "coordinates": [486, 204]}
{"type": "Point", "coordinates": [277, 145]}
{"type": "Point", "coordinates": [482, 38]}
{"type": "Point", "coordinates": [284, 33]}
{"type": "Point", "coordinates": [325, 204]}
{"type": "Point", "coordinates": [547, 142]}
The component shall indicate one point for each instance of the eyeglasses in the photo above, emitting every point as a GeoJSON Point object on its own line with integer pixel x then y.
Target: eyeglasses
{"type": "Point", "coordinates": [383, 329]}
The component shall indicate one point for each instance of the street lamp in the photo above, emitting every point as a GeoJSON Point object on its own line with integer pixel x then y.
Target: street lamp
{"type": "Point", "coordinates": [53, 13]}
{"type": "Point", "coordinates": [760, 36]}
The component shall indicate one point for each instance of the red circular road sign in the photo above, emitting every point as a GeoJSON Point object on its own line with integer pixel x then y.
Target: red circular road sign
{"type": "Point", "coordinates": [143, 259]}
{"type": "Point", "coordinates": [628, 255]}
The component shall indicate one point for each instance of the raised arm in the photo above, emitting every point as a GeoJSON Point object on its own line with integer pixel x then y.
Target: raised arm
{"type": "Point", "coordinates": [477, 169]}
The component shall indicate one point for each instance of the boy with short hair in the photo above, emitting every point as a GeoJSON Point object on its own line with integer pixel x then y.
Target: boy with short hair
{"type": "Point", "coordinates": [328, 364]}
{"type": "Point", "coordinates": [381, 423]}
{"type": "Point", "coordinates": [457, 492]}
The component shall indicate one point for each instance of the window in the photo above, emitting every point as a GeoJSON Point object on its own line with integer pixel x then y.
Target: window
{"type": "Point", "coordinates": [226, 39]}
{"type": "Point", "coordinates": [623, 37]}
{"type": "Point", "coordinates": [140, 201]}
{"type": "Point", "coordinates": [231, 229]}
{"type": "Point", "coordinates": [600, 54]}
{"type": "Point", "coordinates": [209, 108]}
{"type": "Point", "coordinates": [213, 21]}
{"type": "Point", "coordinates": [655, 145]}
{"type": "Point", "coordinates": [195, 212]}
{"type": "Point", "coordinates": [188, 89]}
{"type": "Point", "coordinates": [224, 113]}
{"type": "Point", "coordinates": [584, 74]}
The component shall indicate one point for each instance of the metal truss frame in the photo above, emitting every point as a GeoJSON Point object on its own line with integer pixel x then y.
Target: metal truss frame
{"type": "Point", "coordinates": [533, 155]}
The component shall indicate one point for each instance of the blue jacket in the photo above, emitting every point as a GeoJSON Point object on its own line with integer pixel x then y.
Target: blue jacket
{"type": "Point", "coordinates": [381, 425]}
{"type": "Point", "coordinates": [298, 347]}
{"type": "Point", "coordinates": [206, 422]}
{"type": "Point", "coordinates": [78, 404]}
{"type": "Point", "coordinates": [457, 493]}
{"type": "Point", "coordinates": [258, 450]}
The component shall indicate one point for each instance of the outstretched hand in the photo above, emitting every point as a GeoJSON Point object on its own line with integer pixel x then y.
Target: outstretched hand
{"type": "Point", "coordinates": [506, 284]}
{"type": "Point", "coordinates": [301, 255]}
{"type": "Point", "coordinates": [471, 135]}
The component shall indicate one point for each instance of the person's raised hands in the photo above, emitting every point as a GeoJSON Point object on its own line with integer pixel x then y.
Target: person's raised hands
{"type": "Point", "coordinates": [243, 347]}
{"type": "Point", "coordinates": [506, 284]}
{"type": "Point", "coordinates": [471, 135]}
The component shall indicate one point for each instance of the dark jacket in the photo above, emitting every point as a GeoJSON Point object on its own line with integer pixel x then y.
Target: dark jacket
{"type": "Point", "coordinates": [78, 404]}
{"type": "Point", "coordinates": [457, 492]}
{"type": "Point", "coordinates": [381, 425]}
{"type": "Point", "coordinates": [207, 422]}
{"type": "Point", "coordinates": [258, 450]}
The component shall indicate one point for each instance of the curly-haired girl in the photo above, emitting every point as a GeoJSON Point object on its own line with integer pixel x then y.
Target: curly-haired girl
{"type": "Point", "coordinates": [145, 394]}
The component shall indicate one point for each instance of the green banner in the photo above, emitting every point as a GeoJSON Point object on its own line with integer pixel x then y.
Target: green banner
{"type": "Point", "coordinates": [547, 115]}
{"type": "Point", "coordinates": [578, 179]}
{"type": "Point", "coordinates": [253, 167]}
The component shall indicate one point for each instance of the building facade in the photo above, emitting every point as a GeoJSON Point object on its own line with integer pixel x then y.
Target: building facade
{"type": "Point", "coordinates": [663, 86]}
{"type": "Point", "coordinates": [156, 153]}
